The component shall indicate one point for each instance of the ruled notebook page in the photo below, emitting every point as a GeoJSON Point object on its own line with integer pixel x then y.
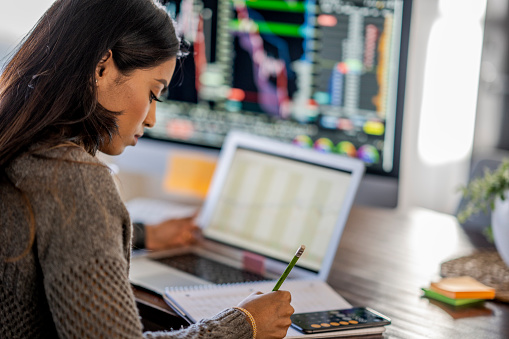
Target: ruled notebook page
{"type": "Point", "coordinates": [204, 301]}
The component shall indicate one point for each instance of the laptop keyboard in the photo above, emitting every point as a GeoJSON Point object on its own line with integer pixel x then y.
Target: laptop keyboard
{"type": "Point", "coordinates": [210, 270]}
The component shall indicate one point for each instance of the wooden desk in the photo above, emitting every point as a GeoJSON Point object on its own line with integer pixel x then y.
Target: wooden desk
{"type": "Point", "coordinates": [386, 256]}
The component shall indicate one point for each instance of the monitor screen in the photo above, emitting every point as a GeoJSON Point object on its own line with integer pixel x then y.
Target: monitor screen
{"type": "Point", "coordinates": [322, 74]}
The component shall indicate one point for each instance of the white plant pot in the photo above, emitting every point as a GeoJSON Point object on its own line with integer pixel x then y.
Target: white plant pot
{"type": "Point", "coordinates": [500, 227]}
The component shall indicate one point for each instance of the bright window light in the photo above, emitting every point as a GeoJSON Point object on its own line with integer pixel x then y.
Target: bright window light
{"type": "Point", "coordinates": [451, 80]}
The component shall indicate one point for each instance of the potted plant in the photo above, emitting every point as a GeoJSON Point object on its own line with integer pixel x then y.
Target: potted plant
{"type": "Point", "coordinates": [491, 192]}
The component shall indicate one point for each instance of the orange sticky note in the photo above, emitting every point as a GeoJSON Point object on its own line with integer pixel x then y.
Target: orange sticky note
{"type": "Point", "coordinates": [189, 174]}
{"type": "Point", "coordinates": [462, 288]}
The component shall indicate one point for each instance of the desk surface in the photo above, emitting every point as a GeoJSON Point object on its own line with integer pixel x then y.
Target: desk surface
{"type": "Point", "coordinates": [386, 256]}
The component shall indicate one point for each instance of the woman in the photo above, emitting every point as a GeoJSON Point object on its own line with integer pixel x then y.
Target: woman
{"type": "Point", "coordinates": [86, 79]}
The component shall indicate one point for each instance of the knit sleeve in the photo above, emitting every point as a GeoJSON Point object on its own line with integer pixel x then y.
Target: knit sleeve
{"type": "Point", "coordinates": [83, 245]}
{"type": "Point", "coordinates": [82, 242]}
{"type": "Point", "coordinates": [94, 300]}
{"type": "Point", "coordinates": [230, 323]}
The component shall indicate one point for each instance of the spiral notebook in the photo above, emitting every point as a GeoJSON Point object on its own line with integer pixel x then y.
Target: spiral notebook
{"type": "Point", "coordinates": [204, 301]}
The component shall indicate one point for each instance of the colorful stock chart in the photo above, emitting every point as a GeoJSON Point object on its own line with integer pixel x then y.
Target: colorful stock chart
{"type": "Point", "coordinates": [321, 74]}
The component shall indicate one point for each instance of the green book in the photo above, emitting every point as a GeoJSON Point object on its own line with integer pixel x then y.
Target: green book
{"type": "Point", "coordinates": [455, 302]}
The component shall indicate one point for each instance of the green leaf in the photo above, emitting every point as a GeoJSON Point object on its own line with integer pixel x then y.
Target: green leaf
{"type": "Point", "coordinates": [482, 192]}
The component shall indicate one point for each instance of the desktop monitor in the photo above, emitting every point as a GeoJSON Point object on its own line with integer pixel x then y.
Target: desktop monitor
{"type": "Point", "coordinates": [322, 74]}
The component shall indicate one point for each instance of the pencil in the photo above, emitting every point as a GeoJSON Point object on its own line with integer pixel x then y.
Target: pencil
{"type": "Point", "coordinates": [289, 267]}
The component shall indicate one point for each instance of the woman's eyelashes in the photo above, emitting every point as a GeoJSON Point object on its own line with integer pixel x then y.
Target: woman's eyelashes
{"type": "Point", "coordinates": [153, 97]}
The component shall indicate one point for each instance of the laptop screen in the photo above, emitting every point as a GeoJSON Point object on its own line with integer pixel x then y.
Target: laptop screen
{"type": "Point", "coordinates": [270, 205]}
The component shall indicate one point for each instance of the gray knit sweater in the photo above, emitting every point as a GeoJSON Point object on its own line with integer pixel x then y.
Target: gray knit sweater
{"type": "Point", "coordinates": [73, 281]}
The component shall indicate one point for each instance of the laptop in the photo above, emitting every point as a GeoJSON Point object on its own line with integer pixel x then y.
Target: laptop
{"type": "Point", "coordinates": [266, 198]}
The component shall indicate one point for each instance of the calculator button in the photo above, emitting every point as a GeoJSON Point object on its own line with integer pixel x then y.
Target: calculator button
{"type": "Point", "coordinates": [353, 322]}
{"type": "Point", "coordinates": [344, 323]}
{"type": "Point", "coordinates": [315, 326]}
{"type": "Point", "coordinates": [334, 323]}
{"type": "Point", "coordinates": [325, 325]}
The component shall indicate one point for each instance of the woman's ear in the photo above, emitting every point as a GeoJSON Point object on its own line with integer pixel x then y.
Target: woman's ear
{"type": "Point", "coordinates": [105, 68]}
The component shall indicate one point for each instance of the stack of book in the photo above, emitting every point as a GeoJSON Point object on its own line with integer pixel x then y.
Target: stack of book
{"type": "Point", "coordinates": [459, 291]}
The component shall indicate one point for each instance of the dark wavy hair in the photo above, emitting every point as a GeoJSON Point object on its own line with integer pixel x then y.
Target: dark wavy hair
{"type": "Point", "coordinates": [47, 92]}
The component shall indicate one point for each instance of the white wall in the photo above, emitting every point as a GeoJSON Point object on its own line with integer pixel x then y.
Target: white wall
{"type": "Point", "coordinates": [434, 163]}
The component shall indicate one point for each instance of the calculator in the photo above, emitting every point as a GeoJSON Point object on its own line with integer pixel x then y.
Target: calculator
{"type": "Point", "coordinates": [337, 320]}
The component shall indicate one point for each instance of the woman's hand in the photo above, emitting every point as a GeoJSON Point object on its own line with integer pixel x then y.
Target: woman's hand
{"type": "Point", "coordinates": [271, 312]}
{"type": "Point", "coordinates": [172, 233]}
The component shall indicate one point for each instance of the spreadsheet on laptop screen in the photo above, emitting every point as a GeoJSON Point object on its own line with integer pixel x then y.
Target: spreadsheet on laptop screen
{"type": "Point", "coordinates": [271, 205]}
